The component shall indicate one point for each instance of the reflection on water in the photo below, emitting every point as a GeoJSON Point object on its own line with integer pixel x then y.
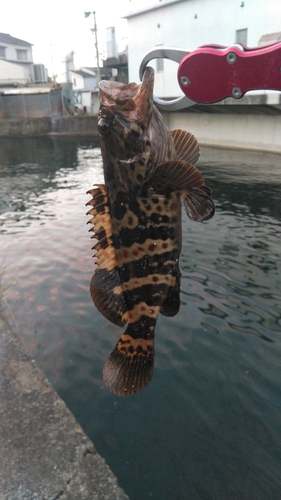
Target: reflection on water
{"type": "Point", "coordinates": [208, 427]}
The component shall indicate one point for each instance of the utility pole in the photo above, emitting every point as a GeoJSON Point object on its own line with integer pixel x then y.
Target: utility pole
{"type": "Point", "coordinates": [95, 31]}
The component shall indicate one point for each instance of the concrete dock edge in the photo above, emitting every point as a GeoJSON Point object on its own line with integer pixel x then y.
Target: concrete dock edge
{"type": "Point", "coordinates": [44, 453]}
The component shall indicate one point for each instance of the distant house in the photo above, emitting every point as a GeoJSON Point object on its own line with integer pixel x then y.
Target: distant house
{"type": "Point", "coordinates": [85, 88]}
{"type": "Point", "coordinates": [83, 79]}
{"type": "Point", "coordinates": [16, 61]}
{"type": "Point", "coordinates": [86, 78]}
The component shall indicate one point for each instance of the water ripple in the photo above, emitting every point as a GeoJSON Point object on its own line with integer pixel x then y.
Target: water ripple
{"type": "Point", "coordinates": [215, 395]}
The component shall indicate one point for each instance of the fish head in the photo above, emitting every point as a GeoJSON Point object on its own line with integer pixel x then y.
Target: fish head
{"type": "Point", "coordinates": [125, 122]}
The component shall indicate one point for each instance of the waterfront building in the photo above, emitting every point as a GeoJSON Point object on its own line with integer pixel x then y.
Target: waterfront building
{"type": "Point", "coordinates": [189, 24]}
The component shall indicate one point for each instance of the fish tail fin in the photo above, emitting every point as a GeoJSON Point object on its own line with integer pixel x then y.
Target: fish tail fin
{"type": "Point", "coordinates": [129, 368]}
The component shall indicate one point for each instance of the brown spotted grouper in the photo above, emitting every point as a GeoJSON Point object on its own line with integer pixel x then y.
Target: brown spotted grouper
{"type": "Point", "coordinates": [136, 219]}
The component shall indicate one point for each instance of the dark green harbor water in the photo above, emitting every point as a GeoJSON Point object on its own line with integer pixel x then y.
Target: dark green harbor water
{"type": "Point", "coordinates": [209, 425]}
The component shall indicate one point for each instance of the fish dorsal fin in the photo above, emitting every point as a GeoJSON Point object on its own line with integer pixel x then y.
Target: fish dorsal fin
{"type": "Point", "coordinates": [177, 175]}
{"type": "Point", "coordinates": [105, 284]}
{"type": "Point", "coordinates": [186, 146]}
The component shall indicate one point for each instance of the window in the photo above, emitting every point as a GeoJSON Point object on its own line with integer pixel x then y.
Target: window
{"type": "Point", "coordinates": [3, 52]}
{"type": "Point", "coordinates": [242, 36]}
{"type": "Point", "coordinates": [21, 55]}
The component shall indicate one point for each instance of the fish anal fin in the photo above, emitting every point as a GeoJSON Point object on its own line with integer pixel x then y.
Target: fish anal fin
{"type": "Point", "coordinates": [198, 203]}
{"type": "Point", "coordinates": [186, 146]}
{"type": "Point", "coordinates": [108, 296]}
{"type": "Point", "coordinates": [129, 368]}
{"type": "Point", "coordinates": [176, 175]}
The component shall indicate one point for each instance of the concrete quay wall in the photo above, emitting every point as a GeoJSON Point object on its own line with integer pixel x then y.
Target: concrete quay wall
{"type": "Point", "coordinates": [232, 131]}
{"type": "Point", "coordinates": [241, 125]}
{"type": "Point", "coordinates": [38, 127]}
{"type": "Point", "coordinates": [44, 452]}
{"type": "Point", "coordinates": [252, 122]}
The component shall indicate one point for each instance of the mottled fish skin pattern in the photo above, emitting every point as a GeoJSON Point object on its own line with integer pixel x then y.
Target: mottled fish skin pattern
{"type": "Point", "coordinates": [136, 218]}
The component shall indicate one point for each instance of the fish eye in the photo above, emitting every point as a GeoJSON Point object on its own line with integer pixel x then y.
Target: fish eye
{"type": "Point", "coordinates": [103, 125]}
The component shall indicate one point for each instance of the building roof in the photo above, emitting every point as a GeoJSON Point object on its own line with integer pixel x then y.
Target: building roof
{"type": "Point", "coordinates": [6, 38]}
{"type": "Point", "coordinates": [92, 70]}
{"type": "Point", "coordinates": [82, 73]}
{"type": "Point", "coordinates": [161, 5]}
{"type": "Point", "coordinates": [27, 90]}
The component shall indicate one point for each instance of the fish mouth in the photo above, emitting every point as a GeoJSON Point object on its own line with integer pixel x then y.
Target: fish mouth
{"type": "Point", "coordinates": [133, 101]}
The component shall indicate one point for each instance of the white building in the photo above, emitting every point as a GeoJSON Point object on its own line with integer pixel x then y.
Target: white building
{"type": "Point", "coordinates": [189, 24]}
{"type": "Point", "coordinates": [83, 79]}
{"type": "Point", "coordinates": [85, 88]}
{"type": "Point", "coordinates": [16, 61]}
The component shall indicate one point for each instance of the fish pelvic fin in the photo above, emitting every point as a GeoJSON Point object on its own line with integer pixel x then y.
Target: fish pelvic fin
{"type": "Point", "coordinates": [186, 146]}
{"type": "Point", "coordinates": [105, 287]}
{"type": "Point", "coordinates": [178, 175]}
{"type": "Point", "coordinates": [129, 368]}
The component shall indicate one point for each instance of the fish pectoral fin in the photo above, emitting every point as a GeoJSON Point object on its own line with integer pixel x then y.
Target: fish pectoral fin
{"type": "Point", "coordinates": [186, 146]}
{"type": "Point", "coordinates": [198, 203]}
{"type": "Point", "coordinates": [129, 368]}
{"type": "Point", "coordinates": [176, 175]}
{"type": "Point", "coordinates": [105, 284]}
